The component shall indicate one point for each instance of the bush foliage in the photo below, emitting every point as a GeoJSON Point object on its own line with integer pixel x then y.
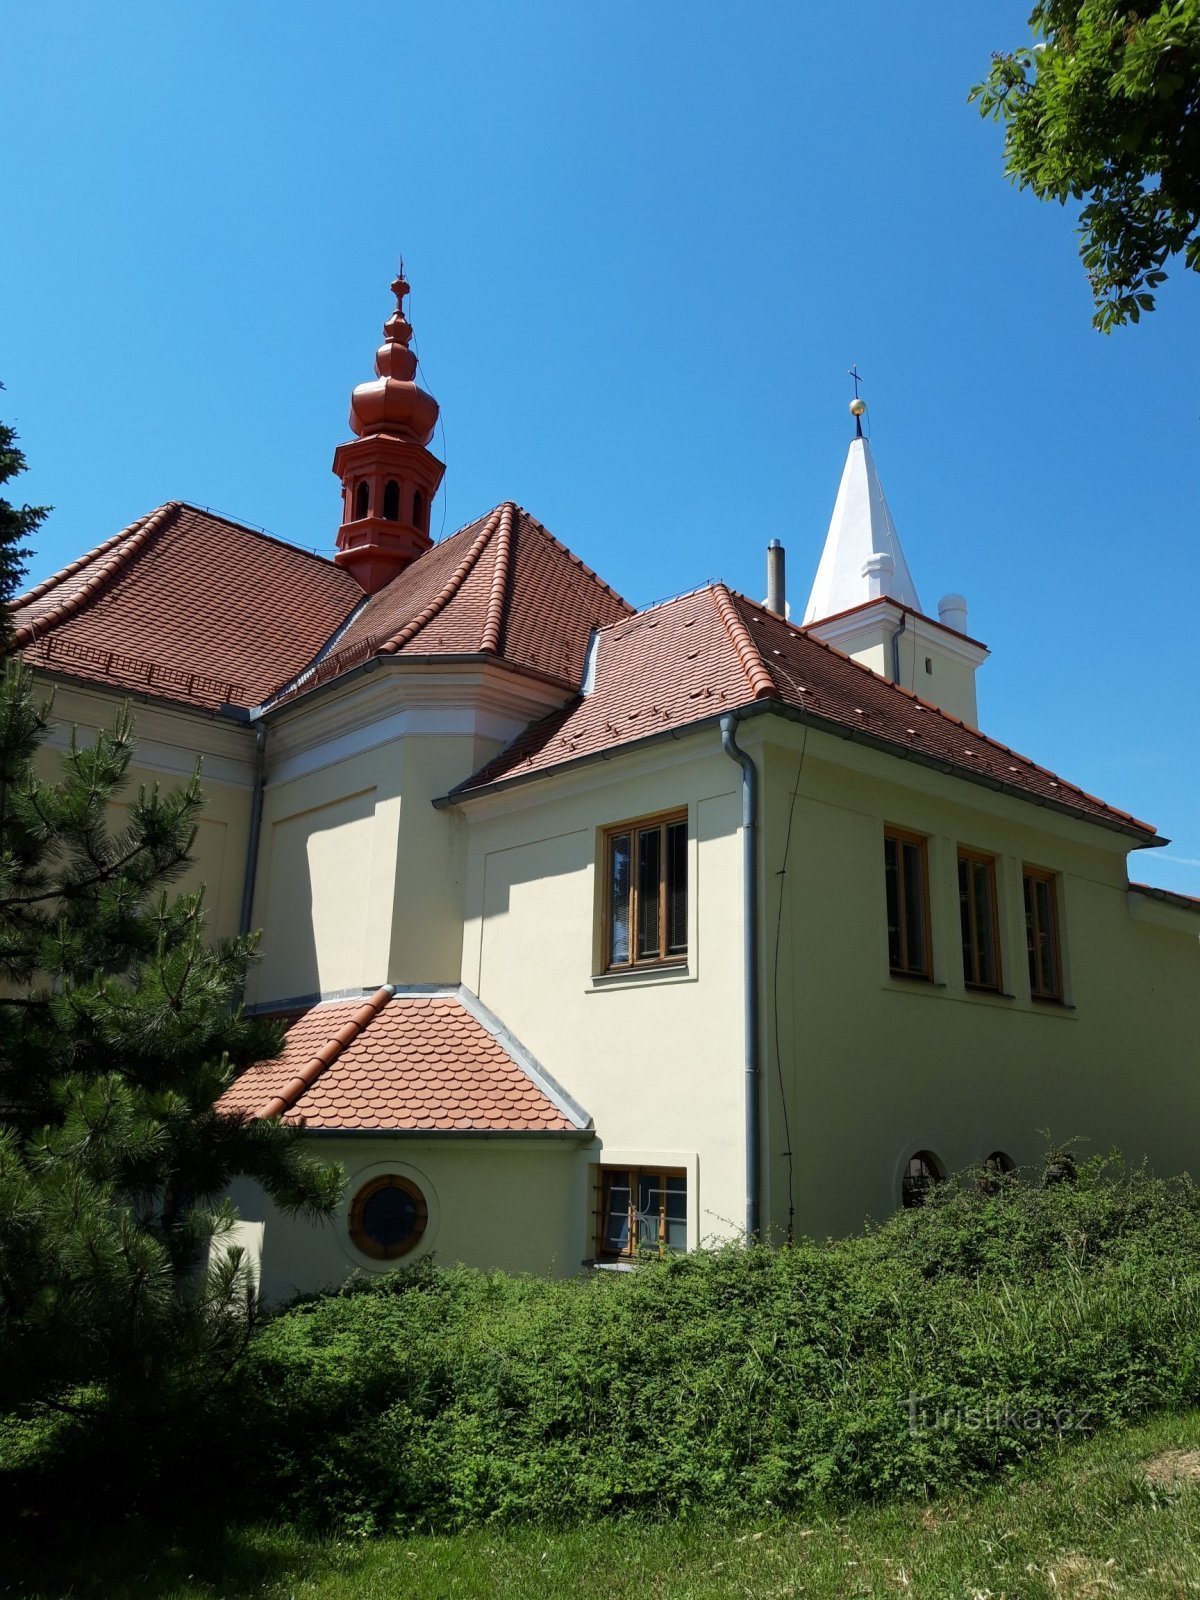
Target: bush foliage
{"type": "Point", "coordinates": [741, 1379]}
{"type": "Point", "coordinates": [938, 1349]}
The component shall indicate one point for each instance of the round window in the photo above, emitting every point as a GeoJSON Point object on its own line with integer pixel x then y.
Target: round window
{"type": "Point", "coordinates": [388, 1217]}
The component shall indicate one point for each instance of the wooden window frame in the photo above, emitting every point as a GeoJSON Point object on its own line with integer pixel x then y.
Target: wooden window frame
{"type": "Point", "coordinates": [980, 858]}
{"type": "Point", "coordinates": [661, 820]}
{"type": "Point", "coordinates": [362, 1239]}
{"type": "Point", "coordinates": [633, 1249]}
{"type": "Point", "coordinates": [1029, 874]}
{"type": "Point", "coordinates": [903, 836]}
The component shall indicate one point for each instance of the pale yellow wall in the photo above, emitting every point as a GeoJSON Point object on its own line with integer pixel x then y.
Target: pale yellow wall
{"type": "Point", "coordinates": [168, 742]}
{"type": "Point", "coordinates": [360, 878]}
{"type": "Point", "coordinates": [875, 1067]}
{"type": "Point", "coordinates": [326, 868]}
{"type": "Point", "coordinates": [656, 1059]}
{"type": "Point", "coordinates": [951, 684]}
{"type": "Point", "coordinates": [493, 1203]}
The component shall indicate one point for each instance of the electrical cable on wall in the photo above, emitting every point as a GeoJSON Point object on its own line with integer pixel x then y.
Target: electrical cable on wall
{"type": "Point", "coordinates": [782, 876]}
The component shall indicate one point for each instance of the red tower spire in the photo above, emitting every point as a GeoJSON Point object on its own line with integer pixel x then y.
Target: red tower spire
{"type": "Point", "coordinates": [388, 477]}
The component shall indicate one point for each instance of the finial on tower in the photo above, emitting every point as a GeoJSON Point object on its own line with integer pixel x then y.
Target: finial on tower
{"type": "Point", "coordinates": [858, 406]}
{"type": "Point", "coordinates": [389, 477]}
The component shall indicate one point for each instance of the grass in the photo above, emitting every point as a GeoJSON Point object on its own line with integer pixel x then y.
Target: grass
{"type": "Point", "coordinates": [1117, 1516]}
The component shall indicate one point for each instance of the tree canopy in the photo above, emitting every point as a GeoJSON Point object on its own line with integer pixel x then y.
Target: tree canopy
{"type": "Point", "coordinates": [1103, 106]}
{"type": "Point", "coordinates": [120, 1025]}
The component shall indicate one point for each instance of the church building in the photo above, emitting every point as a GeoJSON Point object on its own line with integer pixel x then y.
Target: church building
{"type": "Point", "coordinates": [598, 929]}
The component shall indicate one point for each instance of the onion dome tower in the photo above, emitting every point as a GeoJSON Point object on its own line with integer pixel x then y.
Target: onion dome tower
{"type": "Point", "coordinates": [388, 476]}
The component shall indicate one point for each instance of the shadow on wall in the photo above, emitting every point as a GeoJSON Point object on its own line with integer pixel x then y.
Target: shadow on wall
{"type": "Point", "coordinates": [314, 900]}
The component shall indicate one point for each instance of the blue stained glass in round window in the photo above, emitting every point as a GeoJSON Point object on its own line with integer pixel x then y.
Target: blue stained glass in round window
{"type": "Point", "coordinates": [388, 1217]}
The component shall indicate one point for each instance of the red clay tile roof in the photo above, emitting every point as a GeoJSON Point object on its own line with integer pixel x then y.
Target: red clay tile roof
{"type": "Point", "coordinates": [415, 1062]}
{"type": "Point", "coordinates": [501, 586]}
{"type": "Point", "coordinates": [188, 606]}
{"type": "Point", "coordinates": [692, 658]}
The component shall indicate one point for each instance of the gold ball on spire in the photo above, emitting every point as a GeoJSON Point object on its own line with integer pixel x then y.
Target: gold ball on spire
{"type": "Point", "coordinates": [857, 407]}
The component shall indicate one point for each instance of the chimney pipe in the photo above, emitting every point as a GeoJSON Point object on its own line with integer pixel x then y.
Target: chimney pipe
{"type": "Point", "coordinates": [776, 579]}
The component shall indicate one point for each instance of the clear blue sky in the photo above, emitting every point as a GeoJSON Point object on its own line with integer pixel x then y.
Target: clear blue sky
{"type": "Point", "coordinates": [646, 241]}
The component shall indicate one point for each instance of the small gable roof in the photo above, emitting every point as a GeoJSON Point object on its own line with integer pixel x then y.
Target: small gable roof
{"type": "Point", "coordinates": [711, 651]}
{"type": "Point", "coordinates": [502, 586]}
{"type": "Point", "coordinates": [411, 1061]}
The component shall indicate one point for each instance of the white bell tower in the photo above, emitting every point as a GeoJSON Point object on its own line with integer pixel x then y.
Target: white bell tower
{"type": "Point", "coordinates": [864, 601]}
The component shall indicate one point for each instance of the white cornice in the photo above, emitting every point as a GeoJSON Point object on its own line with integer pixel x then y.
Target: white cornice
{"type": "Point", "coordinates": [866, 626]}
{"type": "Point", "coordinates": [168, 738]}
{"type": "Point", "coordinates": [477, 700]}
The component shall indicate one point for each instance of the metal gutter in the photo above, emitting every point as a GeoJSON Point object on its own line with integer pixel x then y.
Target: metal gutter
{"type": "Point", "coordinates": [1170, 897]}
{"type": "Point", "coordinates": [582, 1135]}
{"type": "Point", "coordinates": [306, 695]}
{"type": "Point", "coordinates": [810, 719]}
{"type": "Point", "coordinates": [753, 1089]}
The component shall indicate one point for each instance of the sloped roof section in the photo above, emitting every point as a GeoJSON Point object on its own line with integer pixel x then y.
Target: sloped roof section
{"type": "Point", "coordinates": [689, 659]}
{"type": "Point", "coordinates": [410, 1061]}
{"type": "Point", "coordinates": [189, 606]}
{"type": "Point", "coordinates": [501, 586]}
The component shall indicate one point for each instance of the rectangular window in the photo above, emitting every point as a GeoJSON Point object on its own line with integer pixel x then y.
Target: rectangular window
{"type": "Point", "coordinates": [640, 1209]}
{"type": "Point", "coordinates": [1041, 934]}
{"type": "Point", "coordinates": [980, 925]}
{"type": "Point", "coordinates": [646, 916]}
{"type": "Point", "coordinates": [907, 882]}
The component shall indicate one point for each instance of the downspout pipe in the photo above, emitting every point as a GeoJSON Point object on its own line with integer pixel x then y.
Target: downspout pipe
{"type": "Point", "coordinates": [750, 971]}
{"type": "Point", "coordinates": [256, 811]}
{"type": "Point", "coordinates": [896, 647]}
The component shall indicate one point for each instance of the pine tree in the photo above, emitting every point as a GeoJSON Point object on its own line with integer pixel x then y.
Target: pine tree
{"type": "Point", "coordinates": [120, 1025]}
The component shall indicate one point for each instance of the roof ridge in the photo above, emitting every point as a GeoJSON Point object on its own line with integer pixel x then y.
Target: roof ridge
{"type": "Point", "coordinates": [448, 590]}
{"type": "Point", "coordinates": [313, 1068]}
{"type": "Point", "coordinates": [758, 676]}
{"type": "Point", "coordinates": [577, 561]}
{"type": "Point", "coordinates": [259, 533]}
{"type": "Point", "coordinates": [494, 620]}
{"type": "Point", "coordinates": [121, 545]}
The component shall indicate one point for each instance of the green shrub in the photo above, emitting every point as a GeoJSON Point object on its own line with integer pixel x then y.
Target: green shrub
{"type": "Point", "coordinates": [937, 1350]}
{"type": "Point", "coordinates": [741, 1379]}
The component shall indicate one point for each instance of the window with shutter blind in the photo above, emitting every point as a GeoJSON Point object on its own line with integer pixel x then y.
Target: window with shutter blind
{"type": "Point", "coordinates": [646, 890]}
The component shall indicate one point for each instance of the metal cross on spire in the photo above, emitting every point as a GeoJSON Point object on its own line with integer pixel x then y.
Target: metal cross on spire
{"type": "Point", "coordinates": [857, 405]}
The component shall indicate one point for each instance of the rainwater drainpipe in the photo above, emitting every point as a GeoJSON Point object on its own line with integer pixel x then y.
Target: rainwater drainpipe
{"type": "Point", "coordinates": [256, 811]}
{"type": "Point", "coordinates": [896, 647]}
{"type": "Point", "coordinates": [750, 966]}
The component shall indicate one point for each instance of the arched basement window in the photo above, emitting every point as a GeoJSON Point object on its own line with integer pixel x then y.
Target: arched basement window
{"type": "Point", "coordinates": [391, 500]}
{"type": "Point", "coordinates": [418, 508]}
{"type": "Point", "coordinates": [922, 1173]}
{"type": "Point", "coordinates": [996, 1167]}
{"type": "Point", "coordinates": [362, 499]}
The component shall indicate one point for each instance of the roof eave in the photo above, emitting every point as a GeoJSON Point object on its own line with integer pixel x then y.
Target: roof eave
{"type": "Point", "coordinates": [811, 719]}
{"type": "Point", "coordinates": [580, 1135]}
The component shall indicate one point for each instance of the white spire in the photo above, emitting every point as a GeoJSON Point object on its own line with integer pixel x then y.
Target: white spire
{"type": "Point", "coordinates": [862, 559]}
